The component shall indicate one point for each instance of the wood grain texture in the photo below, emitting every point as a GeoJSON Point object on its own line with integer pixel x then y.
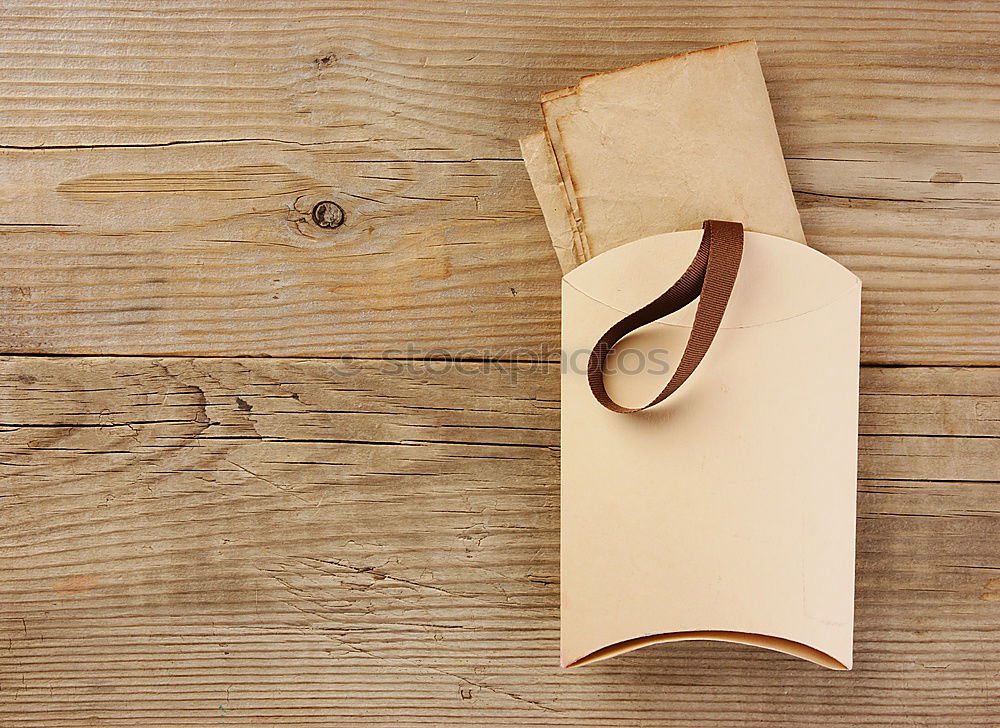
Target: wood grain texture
{"type": "Point", "coordinates": [300, 542]}
{"type": "Point", "coordinates": [322, 541]}
{"type": "Point", "coordinates": [159, 162]}
{"type": "Point", "coordinates": [468, 74]}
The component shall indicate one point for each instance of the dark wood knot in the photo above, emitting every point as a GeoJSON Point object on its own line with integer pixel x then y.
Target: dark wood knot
{"type": "Point", "coordinates": [328, 214]}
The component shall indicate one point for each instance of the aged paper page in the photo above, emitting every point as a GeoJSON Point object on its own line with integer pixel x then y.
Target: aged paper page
{"type": "Point", "coordinates": [544, 175]}
{"type": "Point", "coordinates": [554, 105]}
{"type": "Point", "coordinates": [664, 145]}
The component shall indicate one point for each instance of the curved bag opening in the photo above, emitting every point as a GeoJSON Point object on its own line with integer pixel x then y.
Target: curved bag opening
{"type": "Point", "coordinates": [767, 642]}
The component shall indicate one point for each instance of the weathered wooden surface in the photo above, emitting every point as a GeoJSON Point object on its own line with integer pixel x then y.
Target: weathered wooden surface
{"type": "Point", "coordinates": [161, 158]}
{"type": "Point", "coordinates": [302, 542]}
{"type": "Point", "coordinates": [263, 542]}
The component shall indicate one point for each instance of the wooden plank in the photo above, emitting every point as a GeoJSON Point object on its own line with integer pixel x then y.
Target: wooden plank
{"type": "Point", "coordinates": [328, 542]}
{"type": "Point", "coordinates": [210, 249]}
{"type": "Point", "coordinates": [197, 241]}
{"type": "Point", "coordinates": [466, 76]}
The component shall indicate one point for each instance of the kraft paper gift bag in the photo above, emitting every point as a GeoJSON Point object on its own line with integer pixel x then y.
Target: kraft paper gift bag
{"type": "Point", "coordinates": [726, 509]}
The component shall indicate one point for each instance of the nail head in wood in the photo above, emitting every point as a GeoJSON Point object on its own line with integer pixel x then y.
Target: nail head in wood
{"type": "Point", "coordinates": [328, 214]}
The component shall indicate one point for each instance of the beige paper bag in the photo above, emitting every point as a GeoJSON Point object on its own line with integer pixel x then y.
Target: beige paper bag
{"type": "Point", "coordinates": [727, 512]}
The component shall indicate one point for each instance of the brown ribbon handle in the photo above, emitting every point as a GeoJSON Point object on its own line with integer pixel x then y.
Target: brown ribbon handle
{"type": "Point", "coordinates": [711, 276]}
